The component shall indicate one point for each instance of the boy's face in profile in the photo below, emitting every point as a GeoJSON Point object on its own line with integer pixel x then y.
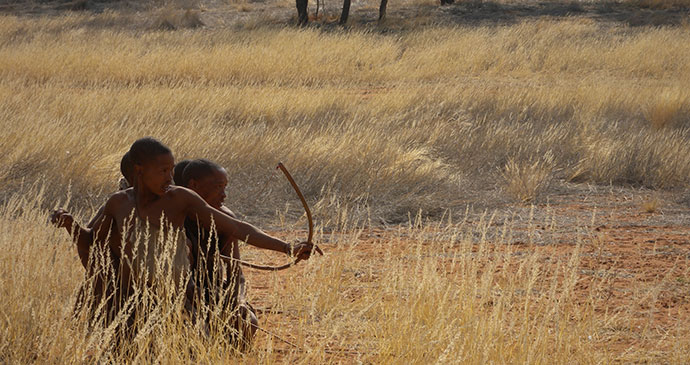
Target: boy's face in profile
{"type": "Point", "coordinates": [211, 187]}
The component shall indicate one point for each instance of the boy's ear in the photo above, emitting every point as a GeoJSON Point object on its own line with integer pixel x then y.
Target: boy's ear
{"type": "Point", "coordinates": [138, 169]}
{"type": "Point", "coordinates": [192, 184]}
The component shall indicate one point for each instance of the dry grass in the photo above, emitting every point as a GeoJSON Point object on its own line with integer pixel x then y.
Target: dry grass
{"type": "Point", "coordinates": [465, 302]}
{"type": "Point", "coordinates": [666, 110]}
{"type": "Point", "coordinates": [171, 19]}
{"type": "Point", "coordinates": [651, 205]}
{"type": "Point", "coordinates": [374, 120]}
{"type": "Point", "coordinates": [373, 126]}
{"type": "Point", "coordinates": [428, 292]}
{"type": "Point", "coordinates": [525, 181]}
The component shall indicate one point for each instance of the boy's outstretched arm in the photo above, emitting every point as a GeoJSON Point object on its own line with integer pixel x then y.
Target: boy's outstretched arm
{"type": "Point", "coordinates": [199, 209]}
{"type": "Point", "coordinates": [81, 236]}
{"type": "Point", "coordinates": [227, 211]}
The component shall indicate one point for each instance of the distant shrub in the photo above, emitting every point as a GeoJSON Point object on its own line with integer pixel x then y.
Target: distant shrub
{"type": "Point", "coordinates": [171, 19]}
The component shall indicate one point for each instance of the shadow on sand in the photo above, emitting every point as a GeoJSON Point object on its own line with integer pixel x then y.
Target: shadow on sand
{"type": "Point", "coordinates": [491, 13]}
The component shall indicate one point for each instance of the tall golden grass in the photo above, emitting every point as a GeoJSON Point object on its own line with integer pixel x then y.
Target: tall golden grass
{"type": "Point", "coordinates": [374, 126]}
{"type": "Point", "coordinates": [390, 122]}
{"type": "Point", "coordinates": [423, 293]}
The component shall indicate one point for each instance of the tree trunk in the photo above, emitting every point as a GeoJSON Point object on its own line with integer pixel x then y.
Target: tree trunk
{"type": "Point", "coordinates": [382, 10]}
{"type": "Point", "coordinates": [302, 16]}
{"type": "Point", "coordinates": [346, 12]}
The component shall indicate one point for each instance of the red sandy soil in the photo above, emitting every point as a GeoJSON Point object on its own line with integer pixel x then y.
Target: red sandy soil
{"type": "Point", "coordinates": [641, 255]}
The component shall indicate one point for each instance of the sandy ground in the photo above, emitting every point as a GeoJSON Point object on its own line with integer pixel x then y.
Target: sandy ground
{"type": "Point", "coordinates": [636, 241]}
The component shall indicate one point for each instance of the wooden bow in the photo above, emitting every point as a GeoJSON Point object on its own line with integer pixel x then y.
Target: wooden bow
{"type": "Point", "coordinates": [309, 237]}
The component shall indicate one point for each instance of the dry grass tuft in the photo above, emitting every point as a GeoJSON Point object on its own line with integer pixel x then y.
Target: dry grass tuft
{"type": "Point", "coordinates": [172, 19]}
{"type": "Point", "coordinates": [526, 181]}
{"type": "Point", "coordinates": [651, 205]}
{"type": "Point", "coordinates": [668, 109]}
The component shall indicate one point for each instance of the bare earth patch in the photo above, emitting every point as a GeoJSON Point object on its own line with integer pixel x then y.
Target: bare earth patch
{"type": "Point", "coordinates": [633, 266]}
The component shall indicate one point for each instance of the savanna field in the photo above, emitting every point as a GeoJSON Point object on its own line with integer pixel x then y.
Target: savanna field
{"type": "Point", "coordinates": [492, 182]}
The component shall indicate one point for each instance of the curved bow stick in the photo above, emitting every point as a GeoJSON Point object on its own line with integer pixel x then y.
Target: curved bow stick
{"type": "Point", "coordinates": [309, 237]}
{"type": "Point", "coordinates": [304, 204]}
{"type": "Point", "coordinates": [256, 266]}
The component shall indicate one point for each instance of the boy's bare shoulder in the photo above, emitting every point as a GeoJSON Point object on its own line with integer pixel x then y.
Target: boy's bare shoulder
{"type": "Point", "coordinates": [180, 192]}
{"type": "Point", "coordinates": [120, 197]}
